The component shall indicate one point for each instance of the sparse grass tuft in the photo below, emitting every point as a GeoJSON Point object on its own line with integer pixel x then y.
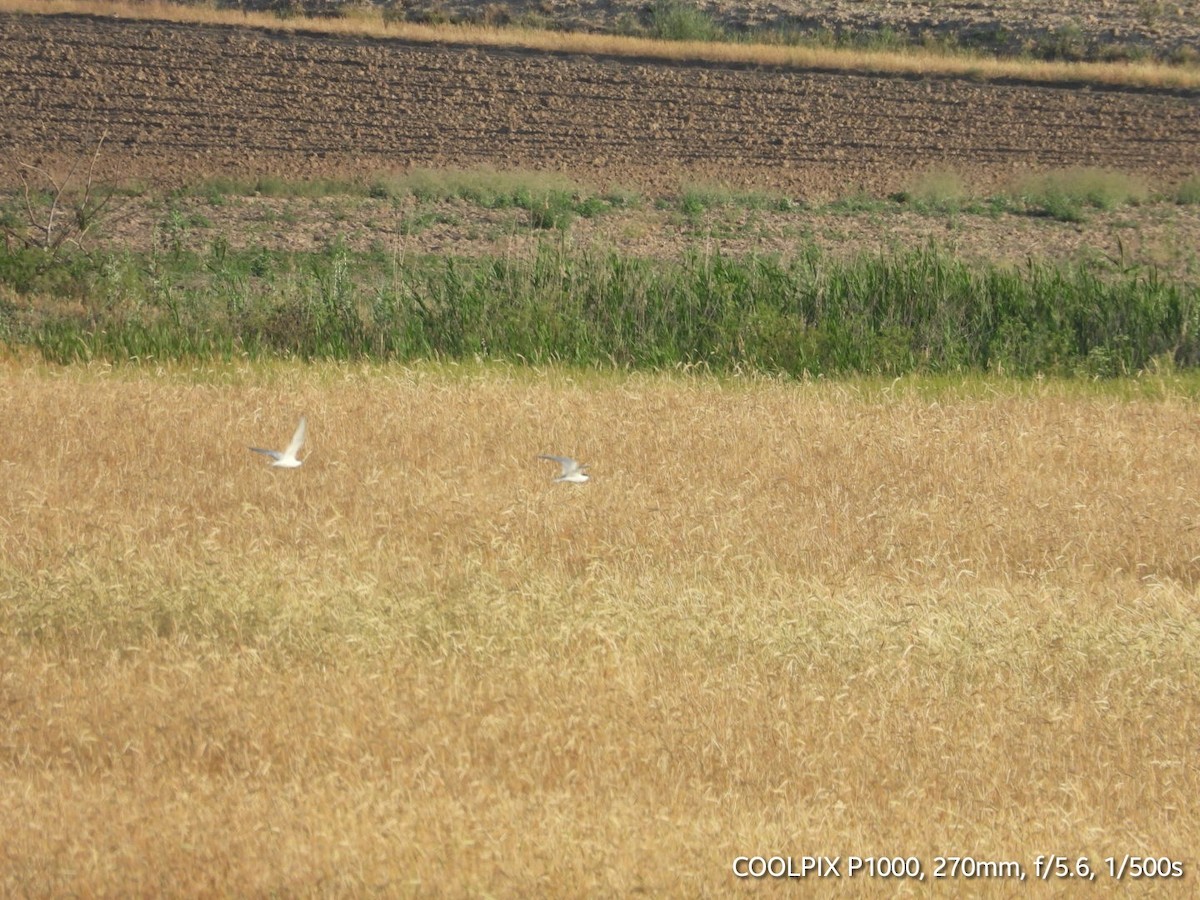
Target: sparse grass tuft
{"type": "Point", "coordinates": [698, 198]}
{"type": "Point", "coordinates": [1065, 194]}
{"type": "Point", "coordinates": [487, 187]}
{"type": "Point", "coordinates": [681, 20]}
{"type": "Point", "coordinates": [1188, 191]}
{"type": "Point", "coordinates": [552, 201]}
{"type": "Point", "coordinates": [216, 189]}
{"type": "Point", "coordinates": [937, 191]}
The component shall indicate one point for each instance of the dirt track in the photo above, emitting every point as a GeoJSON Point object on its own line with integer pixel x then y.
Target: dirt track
{"type": "Point", "coordinates": [181, 102]}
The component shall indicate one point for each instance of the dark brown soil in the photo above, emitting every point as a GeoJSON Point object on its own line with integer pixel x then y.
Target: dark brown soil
{"type": "Point", "coordinates": [182, 102]}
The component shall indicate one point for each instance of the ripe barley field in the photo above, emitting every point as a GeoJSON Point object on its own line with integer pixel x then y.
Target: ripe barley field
{"type": "Point", "coordinates": [920, 618]}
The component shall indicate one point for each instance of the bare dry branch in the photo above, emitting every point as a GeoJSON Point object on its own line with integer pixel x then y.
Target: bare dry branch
{"type": "Point", "coordinates": [51, 230]}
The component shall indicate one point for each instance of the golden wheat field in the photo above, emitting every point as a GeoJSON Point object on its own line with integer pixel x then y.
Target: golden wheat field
{"type": "Point", "coordinates": [783, 619]}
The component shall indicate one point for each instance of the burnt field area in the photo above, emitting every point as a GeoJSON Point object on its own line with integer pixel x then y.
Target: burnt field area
{"type": "Point", "coordinates": [184, 102]}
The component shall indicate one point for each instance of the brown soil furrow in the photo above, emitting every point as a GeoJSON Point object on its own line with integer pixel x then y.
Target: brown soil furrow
{"type": "Point", "coordinates": [182, 102]}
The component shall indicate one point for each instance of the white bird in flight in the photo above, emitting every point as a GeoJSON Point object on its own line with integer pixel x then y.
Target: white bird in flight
{"type": "Point", "coordinates": [572, 471]}
{"type": "Point", "coordinates": [287, 459]}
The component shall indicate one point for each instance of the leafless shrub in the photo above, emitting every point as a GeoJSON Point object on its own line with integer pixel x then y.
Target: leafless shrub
{"type": "Point", "coordinates": [57, 212]}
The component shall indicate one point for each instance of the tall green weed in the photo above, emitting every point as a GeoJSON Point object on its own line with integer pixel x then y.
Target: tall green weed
{"type": "Point", "coordinates": [921, 310]}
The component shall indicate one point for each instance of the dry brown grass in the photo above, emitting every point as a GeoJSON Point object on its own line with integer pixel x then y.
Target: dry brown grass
{"type": "Point", "coordinates": [782, 618]}
{"type": "Point", "coordinates": [923, 62]}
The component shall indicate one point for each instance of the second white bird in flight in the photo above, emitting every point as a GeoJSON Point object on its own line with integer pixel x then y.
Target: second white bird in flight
{"type": "Point", "coordinates": [287, 459]}
{"type": "Point", "coordinates": [572, 471]}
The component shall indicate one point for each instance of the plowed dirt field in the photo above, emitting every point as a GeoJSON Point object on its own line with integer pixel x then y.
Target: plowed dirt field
{"type": "Point", "coordinates": [181, 102]}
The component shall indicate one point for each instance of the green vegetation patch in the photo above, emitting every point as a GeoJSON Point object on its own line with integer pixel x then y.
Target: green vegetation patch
{"type": "Point", "coordinates": [552, 201]}
{"type": "Point", "coordinates": [677, 20]}
{"type": "Point", "coordinates": [1066, 194]}
{"type": "Point", "coordinates": [813, 314]}
{"type": "Point", "coordinates": [1188, 191]}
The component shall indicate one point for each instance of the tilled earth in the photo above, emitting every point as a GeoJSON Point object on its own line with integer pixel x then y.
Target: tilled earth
{"type": "Point", "coordinates": [182, 102]}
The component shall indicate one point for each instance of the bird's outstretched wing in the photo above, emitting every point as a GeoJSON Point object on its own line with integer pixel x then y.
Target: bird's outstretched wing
{"type": "Point", "coordinates": [297, 439]}
{"type": "Point", "coordinates": [569, 466]}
